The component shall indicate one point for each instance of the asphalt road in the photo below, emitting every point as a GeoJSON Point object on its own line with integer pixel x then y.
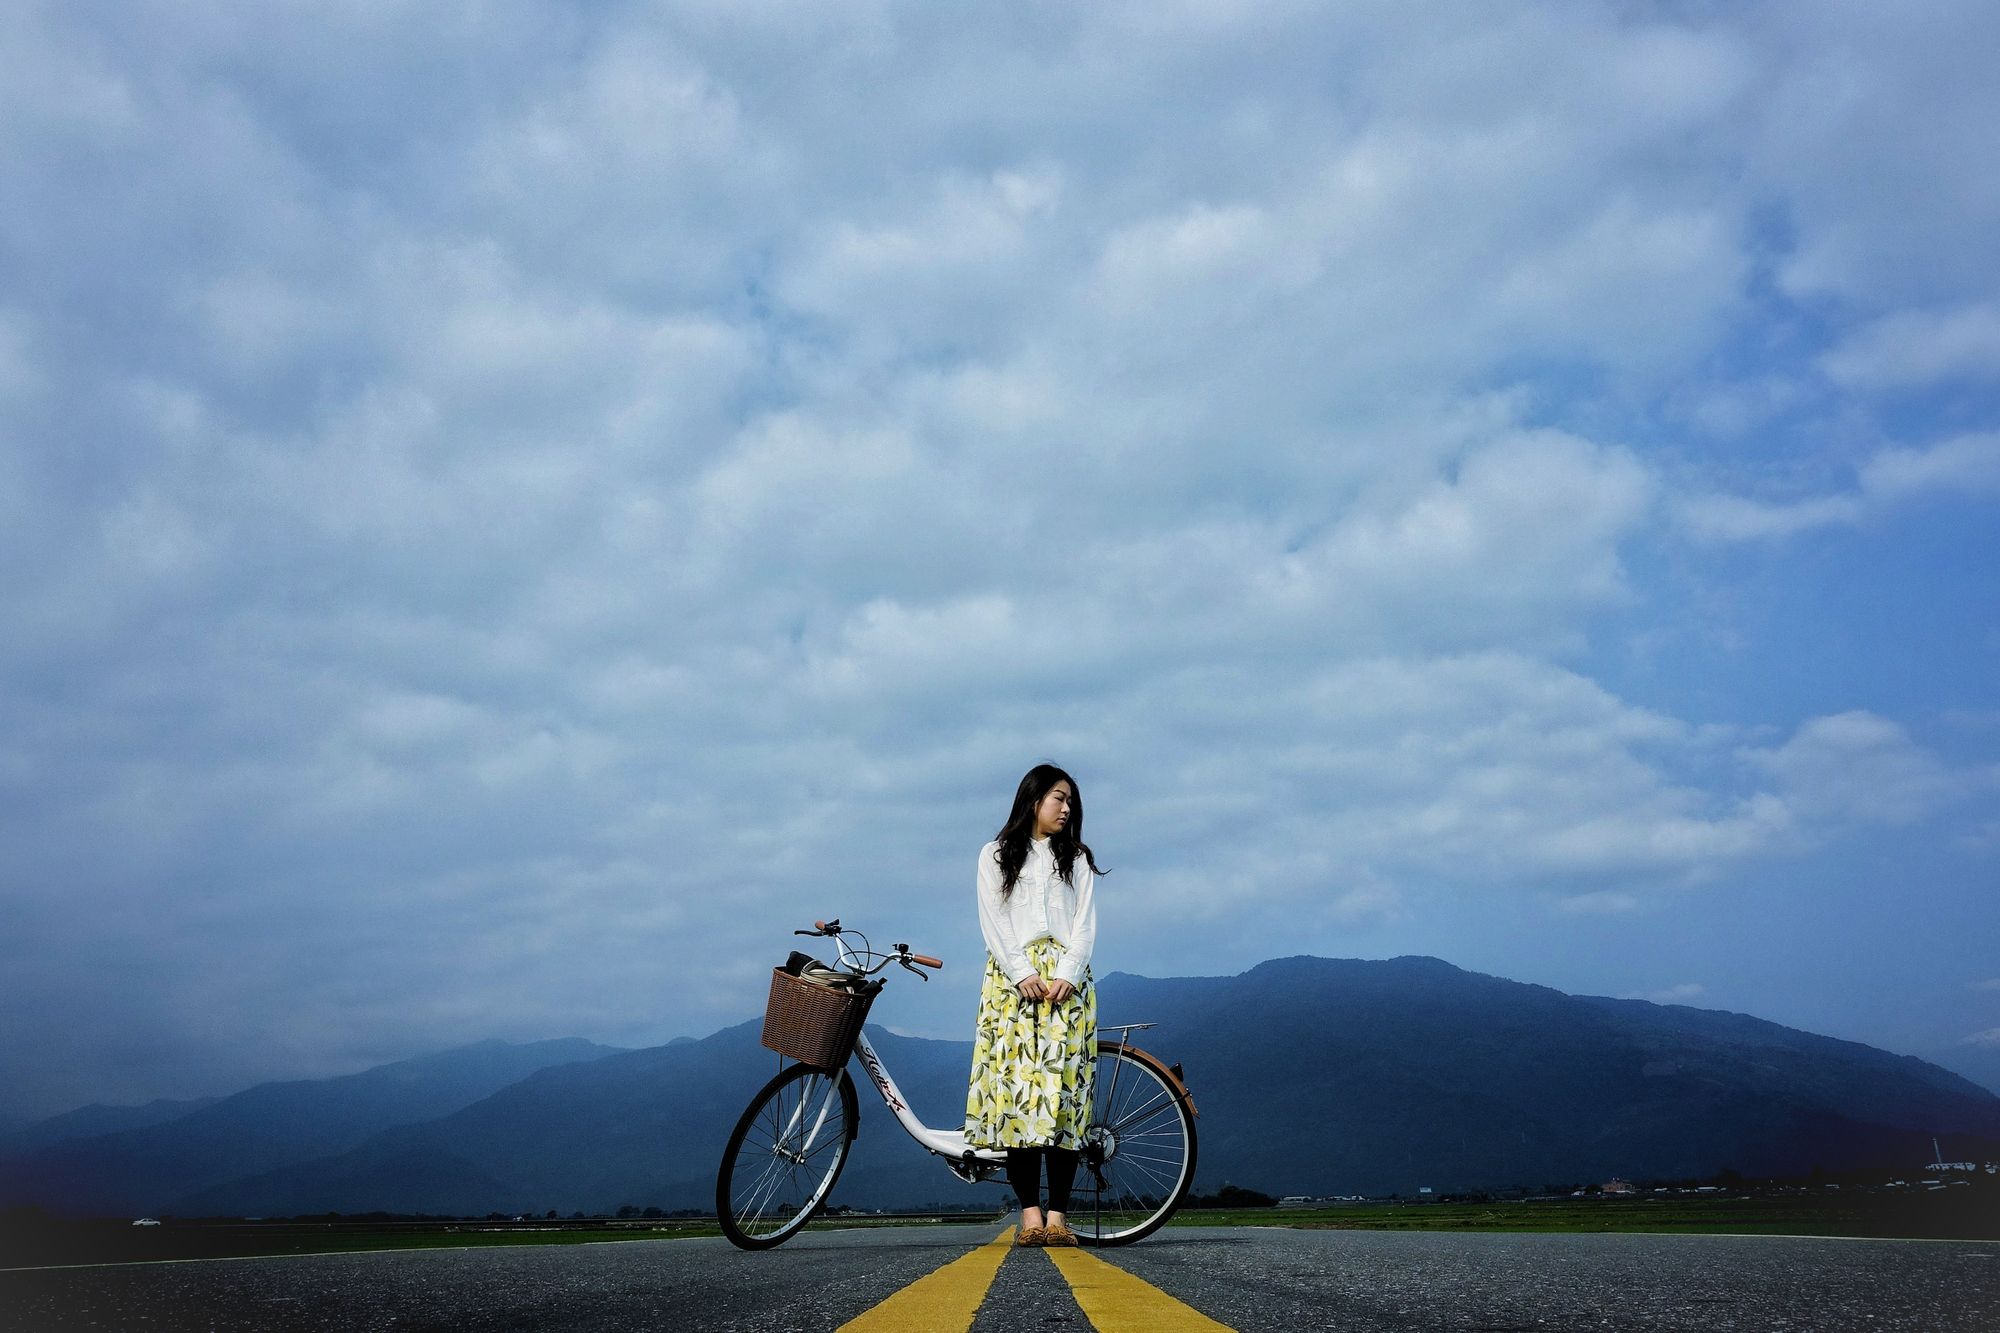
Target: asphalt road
{"type": "Point", "coordinates": [1248, 1278]}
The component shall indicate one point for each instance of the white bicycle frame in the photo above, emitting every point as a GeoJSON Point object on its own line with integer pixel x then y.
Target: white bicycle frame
{"type": "Point", "coordinates": [946, 1143]}
{"type": "Point", "coordinates": [970, 1163]}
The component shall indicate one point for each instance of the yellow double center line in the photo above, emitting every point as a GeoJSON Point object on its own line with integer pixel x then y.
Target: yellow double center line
{"type": "Point", "coordinates": [945, 1299]}
{"type": "Point", "coordinates": [1117, 1302]}
{"type": "Point", "coordinates": [1112, 1299]}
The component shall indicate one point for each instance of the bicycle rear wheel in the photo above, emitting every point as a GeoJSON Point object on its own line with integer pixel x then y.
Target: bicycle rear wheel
{"type": "Point", "coordinates": [1138, 1153]}
{"type": "Point", "coordinates": [784, 1155]}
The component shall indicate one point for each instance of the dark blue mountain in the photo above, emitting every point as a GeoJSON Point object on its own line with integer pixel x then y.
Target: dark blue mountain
{"type": "Point", "coordinates": [89, 1121]}
{"type": "Point", "coordinates": [136, 1170]}
{"type": "Point", "coordinates": [1313, 1075]}
{"type": "Point", "coordinates": [643, 1127]}
{"type": "Point", "coordinates": [1327, 1076]}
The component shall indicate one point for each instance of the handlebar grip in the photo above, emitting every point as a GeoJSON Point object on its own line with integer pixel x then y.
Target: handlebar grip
{"type": "Point", "coordinates": [926, 960]}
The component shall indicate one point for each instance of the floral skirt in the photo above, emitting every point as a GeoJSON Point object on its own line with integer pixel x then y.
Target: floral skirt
{"type": "Point", "coordinates": [1033, 1064]}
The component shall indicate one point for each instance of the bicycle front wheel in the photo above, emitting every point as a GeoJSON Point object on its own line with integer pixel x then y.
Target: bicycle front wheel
{"type": "Point", "coordinates": [1138, 1153]}
{"type": "Point", "coordinates": [784, 1155]}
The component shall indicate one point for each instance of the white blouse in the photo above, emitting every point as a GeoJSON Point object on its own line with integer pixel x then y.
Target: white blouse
{"type": "Point", "coordinates": [1042, 905]}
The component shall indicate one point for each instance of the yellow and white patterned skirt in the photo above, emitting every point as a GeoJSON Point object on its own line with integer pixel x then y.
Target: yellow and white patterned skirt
{"type": "Point", "coordinates": [1033, 1065]}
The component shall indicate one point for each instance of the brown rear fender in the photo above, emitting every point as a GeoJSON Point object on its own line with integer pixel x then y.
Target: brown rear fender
{"type": "Point", "coordinates": [1169, 1073]}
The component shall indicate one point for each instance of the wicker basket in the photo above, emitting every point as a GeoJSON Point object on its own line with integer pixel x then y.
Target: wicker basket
{"type": "Point", "coordinates": [811, 1023]}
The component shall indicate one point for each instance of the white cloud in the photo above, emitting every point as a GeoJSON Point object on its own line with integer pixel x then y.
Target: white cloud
{"type": "Point", "coordinates": [1603, 902]}
{"type": "Point", "coordinates": [1371, 901]}
{"type": "Point", "coordinates": [1917, 347]}
{"type": "Point", "coordinates": [956, 269]}
{"type": "Point", "coordinates": [1865, 111]}
{"type": "Point", "coordinates": [1734, 518]}
{"type": "Point", "coordinates": [1966, 465]}
{"type": "Point", "coordinates": [19, 375]}
{"type": "Point", "coordinates": [1858, 767]}
{"type": "Point", "coordinates": [529, 497]}
{"type": "Point", "coordinates": [1485, 772]}
{"type": "Point", "coordinates": [1990, 1037]}
{"type": "Point", "coordinates": [1683, 993]}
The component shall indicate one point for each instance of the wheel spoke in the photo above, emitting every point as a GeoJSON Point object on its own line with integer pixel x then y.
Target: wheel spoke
{"type": "Point", "coordinates": [1146, 1135]}
{"type": "Point", "coordinates": [1164, 1101]}
{"type": "Point", "coordinates": [786, 1152]}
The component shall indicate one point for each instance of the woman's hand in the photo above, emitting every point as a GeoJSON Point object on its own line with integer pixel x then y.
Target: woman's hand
{"type": "Point", "coordinates": [1033, 988]}
{"type": "Point", "coordinates": [1059, 990]}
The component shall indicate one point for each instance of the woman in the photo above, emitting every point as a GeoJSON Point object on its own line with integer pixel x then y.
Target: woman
{"type": "Point", "coordinates": [1035, 1051]}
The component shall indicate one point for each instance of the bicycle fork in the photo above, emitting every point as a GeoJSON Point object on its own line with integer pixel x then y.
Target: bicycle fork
{"type": "Point", "coordinates": [798, 1154]}
{"type": "Point", "coordinates": [771, 1182]}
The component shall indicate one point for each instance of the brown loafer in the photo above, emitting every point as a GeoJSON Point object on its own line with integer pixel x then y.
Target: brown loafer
{"type": "Point", "coordinates": [1056, 1233]}
{"type": "Point", "coordinates": [1032, 1236]}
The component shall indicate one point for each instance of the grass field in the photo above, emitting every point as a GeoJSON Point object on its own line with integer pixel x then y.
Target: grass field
{"type": "Point", "coordinates": [1956, 1214]}
{"type": "Point", "coordinates": [25, 1244]}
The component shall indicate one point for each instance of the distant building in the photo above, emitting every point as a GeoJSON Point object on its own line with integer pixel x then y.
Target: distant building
{"type": "Point", "coordinates": [1617, 1185]}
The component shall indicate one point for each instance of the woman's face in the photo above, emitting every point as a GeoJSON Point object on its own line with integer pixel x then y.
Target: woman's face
{"type": "Point", "coordinates": [1052, 812]}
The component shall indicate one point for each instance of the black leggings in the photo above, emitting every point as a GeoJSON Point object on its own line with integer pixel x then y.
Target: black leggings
{"type": "Point", "coordinates": [1024, 1173]}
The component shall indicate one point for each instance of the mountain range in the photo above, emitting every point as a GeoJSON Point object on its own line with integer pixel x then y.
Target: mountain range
{"type": "Point", "coordinates": [89, 1121]}
{"type": "Point", "coordinates": [150, 1164]}
{"type": "Point", "coordinates": [1312, 1075]}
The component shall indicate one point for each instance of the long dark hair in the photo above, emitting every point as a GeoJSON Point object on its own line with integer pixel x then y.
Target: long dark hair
{"type": "Point", "coordinates": [1066, 842]}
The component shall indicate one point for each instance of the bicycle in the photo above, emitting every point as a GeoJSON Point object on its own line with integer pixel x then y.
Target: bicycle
{"type": "Point", "coordinates": [788, 1148]}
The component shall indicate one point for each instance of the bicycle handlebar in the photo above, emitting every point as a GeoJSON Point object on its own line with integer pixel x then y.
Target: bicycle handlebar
{"type": "Point", "coordinates": [902, 954]}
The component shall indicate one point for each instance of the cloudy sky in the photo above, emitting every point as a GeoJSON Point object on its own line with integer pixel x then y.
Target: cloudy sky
{"type": "Point", "coordinates": [506, 510]}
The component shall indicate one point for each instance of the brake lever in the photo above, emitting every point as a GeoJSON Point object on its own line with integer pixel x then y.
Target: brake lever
{"type": "Point", "coordinates": [909, 966]}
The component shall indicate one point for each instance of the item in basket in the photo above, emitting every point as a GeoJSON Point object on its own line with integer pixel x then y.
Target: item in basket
{"type": "Point", "coordinates": [815, 1018]}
